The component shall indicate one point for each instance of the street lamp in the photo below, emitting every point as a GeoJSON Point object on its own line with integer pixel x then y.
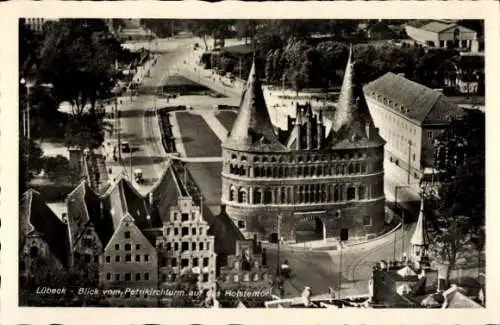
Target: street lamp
{"type": "Point", "coordinates": [396, 188]}
{"type": "Point", "coordinates": [278, 266]}
{"type": "Point", "coordinates": [26, 116]}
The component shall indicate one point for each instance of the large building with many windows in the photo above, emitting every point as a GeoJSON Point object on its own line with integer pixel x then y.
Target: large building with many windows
{"type": "Point", "coordinates": [409, 116]}
{"type": "Point", "coordinates": [308, 178]}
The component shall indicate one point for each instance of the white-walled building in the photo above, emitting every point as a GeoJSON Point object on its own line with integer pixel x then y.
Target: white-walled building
{"type": "Point", "coordinates": [441, 34]}
{"type": "Point", "coordinates": [409, 116]}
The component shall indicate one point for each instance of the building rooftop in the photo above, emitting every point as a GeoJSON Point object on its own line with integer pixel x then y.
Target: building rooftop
{"type": "Point", "coordinates": [411, 99]}
{"type": "Point", "coordinates": [35, 217]}
{"type": "Point", "coordinates": [420, 236]}
{"type": "Point", "coordinates": [105, 211]}
{"type": "Point", "coordinates": [352, 116]}
{"type": "Point", "coordinates": [436, 26]}
{"type": "Point", "coordinates": [252, 129]}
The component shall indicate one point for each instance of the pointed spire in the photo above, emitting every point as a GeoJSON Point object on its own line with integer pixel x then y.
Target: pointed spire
{"type": "Point", "coordinates": [309, 110]}
{"type": "Point", "coordinates": [253, 124]}
{"type": "Point", "coordinates": [420, 236]}
{"type": "Point", "coordinates": [351, 114]}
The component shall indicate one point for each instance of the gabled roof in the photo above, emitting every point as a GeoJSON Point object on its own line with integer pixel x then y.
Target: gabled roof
{"type": "Point", "coordinates": [420, 236]}
{"type": "Point", "coordinates": [406, 271]}
{"type": "Point", "coordinates": [166, 193]}
{"type": "Point", "coordinates": [455, 298]}
{"type": "Point", "coordinates": [105, 212]}
{"type": "Point", "coordinates": [252, 129]}
{"type": "Point", "coordinates": [352, 115]}
{"type": "Point", "coordinates": [36, 217]}
{"type": "Point", "coordinates": [413, 100]}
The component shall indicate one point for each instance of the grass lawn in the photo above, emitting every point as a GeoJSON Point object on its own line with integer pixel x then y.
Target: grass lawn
{"type": "Point", "coordinates": [198, 138]}
{"type": "Point", "coordinates": [227, 119]}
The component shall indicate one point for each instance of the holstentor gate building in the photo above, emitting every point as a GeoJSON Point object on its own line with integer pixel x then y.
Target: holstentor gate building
{"type": "Point", "coordinates": [309, 176]}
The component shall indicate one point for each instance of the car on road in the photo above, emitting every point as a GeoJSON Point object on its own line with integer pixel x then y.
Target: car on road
{"type": "Point", "coordinates": [285, 269]}
{"type": "Point", "coordinates": [138, 175]}
{"type": "Point", "coordinates": [125, 147]}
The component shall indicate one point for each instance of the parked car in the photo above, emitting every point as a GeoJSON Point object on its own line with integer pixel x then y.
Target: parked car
{"type": "Point", "coordinates": [138, 175]}
{"type": "Point", "coordinates": [125, 146]}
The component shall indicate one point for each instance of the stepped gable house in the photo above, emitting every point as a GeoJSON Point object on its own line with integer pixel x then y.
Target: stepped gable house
{"type": "Point", "coordinates": [315, 180]}
{"type": "Point", "coordinates": [140, 242]}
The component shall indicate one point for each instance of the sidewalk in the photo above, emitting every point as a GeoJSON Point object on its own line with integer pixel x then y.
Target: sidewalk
{"type": "Point", "coordinates": [332, 244]}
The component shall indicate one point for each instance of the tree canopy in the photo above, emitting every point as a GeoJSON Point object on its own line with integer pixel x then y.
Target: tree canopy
{"type": "Point", "coordinates": [77, 57]}
{"type": "Point", "coordinates": [461, 207]}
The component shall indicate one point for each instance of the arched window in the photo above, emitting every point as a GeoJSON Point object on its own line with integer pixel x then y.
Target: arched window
{"type": "Point", "coordinates": [361, 192]}
{"type": "Point", "coordinates": [242, 196]}
{"type": "Point", "coordinates": [351, 168]}
{"type": "Point", "coordinates": [242, 171]}
{"type": "Point", "coordinates": [351, 193]}
{"type": "Point", "coordinates": [285, 172]}
{"type": "Point", "coordinates": [232, 194]}
{"type": "Point", "coordinates": [306, 171]}
{"type": "Point", "coordinates": [269, 172]}
{"type": "Point", "coordinates": [169, 246]}
{"type": "Point", "coordinates": [273, 159]}
{"type": "Point", "coordinates": [268, 196]}
{"type": "Point", "coordinates": [283, 196]}
{"type": "Point", "coordinates": [264, 159]}
{"type": "Point", "coordinates": [336, 194]}
{"type": "Point", "coordinates": [299, 171]}
{"type": "Point", "coordinates": [243, 158]}
{"type": "Point", "coordinates": [256, 159]}
{"type": "Point", "coordinates": [300, 159]}
{"type": "Point", "coordinates": [34, 252]}
{"type": "Point", "coordinates": [257, 172]}
{"type": "Point", "coordinates": [280, 172]}
{"type": "Point", "coordinates": [256, 196]}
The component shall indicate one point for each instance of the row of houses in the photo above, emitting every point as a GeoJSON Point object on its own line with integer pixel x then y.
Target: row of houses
{"type": "Point", "coordinates": [121, 240]}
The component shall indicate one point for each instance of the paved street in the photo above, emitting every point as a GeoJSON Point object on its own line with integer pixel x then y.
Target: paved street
{"type": "Point", "coordinates": [139, 124]}
{"type": "Point", "coordinates": [318, 269]}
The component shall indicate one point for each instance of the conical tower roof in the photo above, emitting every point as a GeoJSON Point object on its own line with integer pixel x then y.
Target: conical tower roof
{"type": "Point", "coordinates": [352, 116]}
{"type": "Point", "coordinates": [420, 236]}
{"type": "Point", "coordinates": [252, 129]}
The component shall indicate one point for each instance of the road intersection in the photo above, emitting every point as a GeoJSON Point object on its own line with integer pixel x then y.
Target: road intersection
{"type": "Point", "coordinates": [140, 126]}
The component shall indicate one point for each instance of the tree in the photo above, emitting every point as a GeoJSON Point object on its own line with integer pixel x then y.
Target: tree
{"type": "Point", "coordinates": [246, 29]}
{"type": "Point", "coordinates": [77, 57]}
{"type": "Point", "coordinates": [460, 218]}
{"type": "Point", "coordinates": [204, 28]}
{"type": "Point", "coordinates": [29, 46]}
{"type": "Point", "coordinates": [269, 70]}
{"type": "Point", "coordinates": [85, 131]}
{"type": "Point", "coordinates": [30, 161]}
